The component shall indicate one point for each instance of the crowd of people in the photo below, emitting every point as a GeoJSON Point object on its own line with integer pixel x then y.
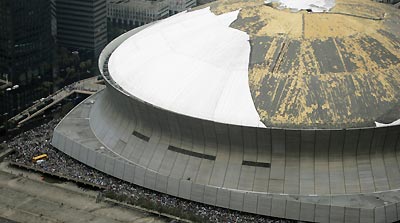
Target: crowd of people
{"type": "Point", "coordinates": [37, 141]}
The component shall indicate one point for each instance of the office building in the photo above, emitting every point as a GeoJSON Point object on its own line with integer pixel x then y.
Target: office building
{"type": "Point", "coordinates": [27, 37]}
{"type": "Point", "coordinates": [82, 26]}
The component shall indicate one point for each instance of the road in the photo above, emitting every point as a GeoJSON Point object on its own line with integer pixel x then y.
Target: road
{"type": "Point", "coordinates": [26, 197]}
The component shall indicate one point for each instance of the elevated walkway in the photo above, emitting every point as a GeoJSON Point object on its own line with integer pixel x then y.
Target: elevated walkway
{"type": "Point", "coordinates": [87, 86]}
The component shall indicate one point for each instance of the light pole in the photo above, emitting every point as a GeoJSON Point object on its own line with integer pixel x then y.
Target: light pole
{"type": "Point", "coordinates": [6, 122]}
{"type": "Point", "coordinates": [76, 54]}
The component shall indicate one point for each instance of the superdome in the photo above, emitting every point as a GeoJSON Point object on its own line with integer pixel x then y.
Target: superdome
{"type": "Point", "coordinates": [255, 107]}
{"type": "Point", "coordinates": [248, 63]}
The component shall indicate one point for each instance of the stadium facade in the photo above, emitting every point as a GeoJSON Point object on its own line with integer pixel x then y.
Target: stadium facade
{"type": "Point", "coordinates": [242, 105]}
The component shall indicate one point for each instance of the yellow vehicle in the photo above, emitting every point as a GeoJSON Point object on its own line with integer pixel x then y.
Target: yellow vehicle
{"type": "Point", "coordinates": [40, 157]}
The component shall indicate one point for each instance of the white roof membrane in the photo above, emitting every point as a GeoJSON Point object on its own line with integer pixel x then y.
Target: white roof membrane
{"type": "Point", "coordinates": [192, 63]}
{"type": "Point", "coordinates": [314, 5]}
{"type": "Point", "coordinates": [378, 124]}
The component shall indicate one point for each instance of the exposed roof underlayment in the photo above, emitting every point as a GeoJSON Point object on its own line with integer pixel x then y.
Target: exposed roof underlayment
{"type": "Point", "coordinates": [193, 64]}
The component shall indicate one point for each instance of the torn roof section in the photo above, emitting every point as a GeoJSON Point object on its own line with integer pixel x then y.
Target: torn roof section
{"type": "Point", "coordinates": [312, 5]}
{"type": "Point", "coordinates": [192, 64]}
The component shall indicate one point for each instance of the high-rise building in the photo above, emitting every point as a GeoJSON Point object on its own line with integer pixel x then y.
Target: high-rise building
{"type": "Point", "coordinates": [27, 31]}
{"type": "Point", "coordinates": [82, 25]}
{"type": "Point", "coordinates": [134, 13]}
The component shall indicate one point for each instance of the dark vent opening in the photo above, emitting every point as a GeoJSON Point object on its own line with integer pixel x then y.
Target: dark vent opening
{"type": "Point", "coordinates": [256, 164]}
{"type": "Point", "coordinates": [141, 136]}
{"type": "Point", "coordinates": [190, 153]}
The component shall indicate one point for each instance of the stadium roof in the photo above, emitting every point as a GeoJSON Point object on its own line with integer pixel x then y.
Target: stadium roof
{"type": "Point", "coordinates": [249, 63]}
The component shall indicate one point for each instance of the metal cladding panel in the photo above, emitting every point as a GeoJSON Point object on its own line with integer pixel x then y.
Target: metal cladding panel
{"type": "Point", "coordinates": [75, 150]}
{"type": "Point", "coordinates": [173, 186]}
{"type": "Point", "coordinates": [292, 209]}
{"type": "Point", "coordinates": [129, 172]}
{"type": "Point", "coordinates": [277, 172]}
{"type": "Point", "coordinates": [236, 200]}
{"type": "Point", "coordinates": [198, 136]}
{"type": "Point", "coordinates": [292, 162]}
{"type": "Point", "coordinates": [210, 138]}
{"type": "Point", "coordinates": [139, 175]}
{"type": "Point", "coordinates": [278, 208]}
{"type": "Point", "coordinates": [55, 140]}
{"type": "Point", "coordinates": [322, 139]}
{"type": "Point", "coordinates": [161, 183]}
{"type": "Point", "coordinates": [367, 215]}
{"type": "Point", "coordinates": [351, 176]}
{"type": "Point", "coordinates": [185, 188]}
{"type": "Point", "coordinates": [352, 215]}
{"type": "Point", "coordinates": [322, 213]}
{"type": "Point", "coordinates": [264, 205]}
{"type": "Point", "coordinates": [306, 162]}
{"type": "Point", "coordinates": [336, 175]}
{"type": "Point", "coordinates": [186, 124]}
{"type": "Point", "coordinates": [174, 129]}
{"type": "Point", "coordinates": [378, 140]}
{"type": "Point", "coordinates": [223, 198]}
{"type": "Point", "coordinates": [380, 215]}
{"type": "Point", "coordinates": [91, 158]}
{"type": "Point", "coordinates": [336, 214]}
{"type": "Point", "coordinates": [249, 144]}
{"type": "Point", "coordinates": [68, 145]}
{"type": "Point", "coordinates": [150, 179]}
{"type": "Point", "coordinates": [391, 213]}
{"type": "Point", "coordinates": [83, 154]}
{"type": "Point", "coordinates": [197, 193]}
{"type": "Point", "coordinates": [109, 165]}
{"type": "Point", "coordinates": [100, 162]}
{"type": "Point", "coordinates": [250, 202]}
{"type": "Point", "coordinates": [365, 140]}
{"type": "Point", "coordinates": [119, 169]}
{"type": "Point", "coordinates": [210, 195]}
{"type": "Point", "coordinates": [307, 212]}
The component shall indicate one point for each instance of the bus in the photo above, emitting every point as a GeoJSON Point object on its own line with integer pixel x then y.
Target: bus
{"type": "Point", "coordinates": [40, 157]}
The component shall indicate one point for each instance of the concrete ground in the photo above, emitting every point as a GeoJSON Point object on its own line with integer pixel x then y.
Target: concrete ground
{"type": "Point", "coordinates": [26, 197]}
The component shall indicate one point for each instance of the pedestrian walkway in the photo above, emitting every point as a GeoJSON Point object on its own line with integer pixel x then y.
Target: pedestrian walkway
{"type": "Point", "coordinates": [86, 86]}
